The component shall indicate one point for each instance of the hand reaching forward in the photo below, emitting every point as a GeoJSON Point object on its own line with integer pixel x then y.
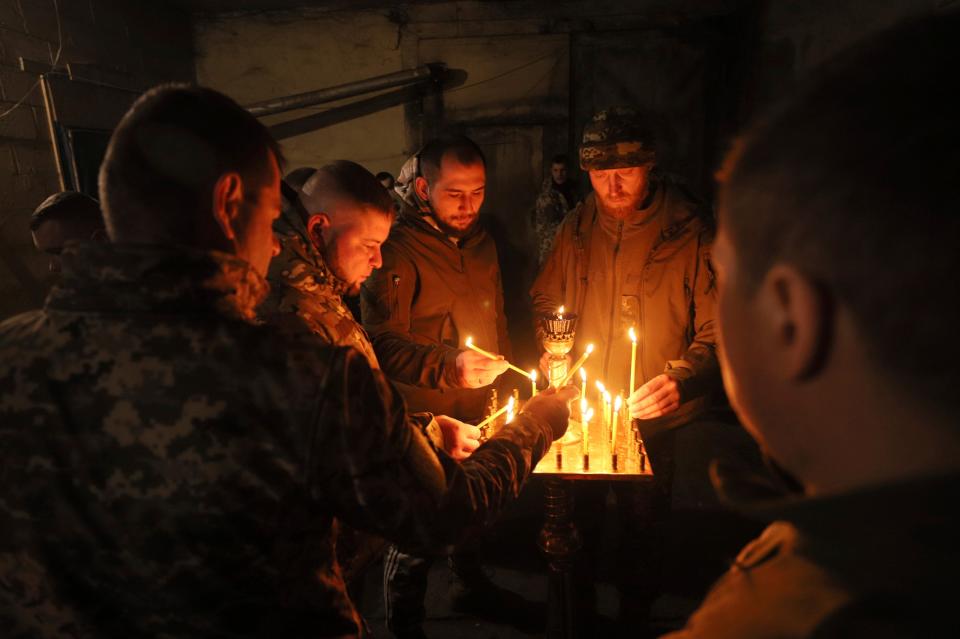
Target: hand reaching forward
{"type": "Point", "coordinates": [658, 397]}
{"type": "Point", "coordinates": [476, 371]}
{"type": "Point", "coordinates": [459, 438]}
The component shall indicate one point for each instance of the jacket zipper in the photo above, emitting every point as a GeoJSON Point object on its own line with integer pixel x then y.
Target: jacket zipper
{"type": "Point", "coordinates": [616, 302]}
{"type": "Point", "coordinates": [396, 297]}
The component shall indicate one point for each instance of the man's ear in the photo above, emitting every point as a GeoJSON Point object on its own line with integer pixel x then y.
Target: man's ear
{"type": "Point", "coordinates": [800, 317]}
{"type": "Point", "coordinates": [422, 188]}
{"type": "Point", "coordinates": [317, 225]}
{"type": "Point", "coordinates": [227, 203]}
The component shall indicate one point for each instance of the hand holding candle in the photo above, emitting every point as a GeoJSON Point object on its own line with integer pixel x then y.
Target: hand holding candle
{"type": "Point", "coordinates": [492, 356]}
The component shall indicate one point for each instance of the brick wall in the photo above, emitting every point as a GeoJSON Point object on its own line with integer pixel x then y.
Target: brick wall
{"type": "Point", "coordinates": [128, 44]}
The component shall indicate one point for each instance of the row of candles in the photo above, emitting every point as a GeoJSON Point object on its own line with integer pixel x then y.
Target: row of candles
{"type": "Point", "coordinates": [613, 414]}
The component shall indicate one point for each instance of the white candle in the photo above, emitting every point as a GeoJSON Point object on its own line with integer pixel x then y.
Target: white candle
{"type": "Point", "coordinates": [616, 421]}
{"type": "Point", "coordinates": [583, 384]}
{"type": "Point", "coordinates": [576, 366]}
{"type": "Point", "coordinates": [533, 383]}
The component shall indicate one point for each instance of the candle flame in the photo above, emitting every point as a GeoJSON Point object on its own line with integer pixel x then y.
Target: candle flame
{"type": "Point", "coordinates": [510, 403]}
{"type": "Point", "coordinates": [468, 341]}
{"type": "Point", "coordinates": [601, 387]}
{"type": "Point", "coordinates": [606, 396]}
{"type": "Point", "coordinates": [560, 311]}
{"type": "Point", "coordinates": [589, 348]}
{"type": "Point", "coordinates": [633, 335]}
{"type": "Point", "coordinates": [533, 374]}
{"type": "Point", "coordinates": [583, 375]}
{"type": "Point", "coordinates": [588, 415]}
{"type": "Point", "coordinates": [618, 403]}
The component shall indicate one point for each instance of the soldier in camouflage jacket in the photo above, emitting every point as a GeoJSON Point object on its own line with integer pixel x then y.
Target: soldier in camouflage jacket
{"type": "Point", "coordinates": [168, 468]}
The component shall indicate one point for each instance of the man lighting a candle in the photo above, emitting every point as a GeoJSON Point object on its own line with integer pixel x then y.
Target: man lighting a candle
{"type": "Point", "coordinates": [439, 285]}
{"type": "Point", "coordinates": [635, 253]}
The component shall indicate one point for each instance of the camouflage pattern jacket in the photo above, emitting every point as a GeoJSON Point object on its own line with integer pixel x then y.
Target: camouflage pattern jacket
{"type": "Point", "coordinates": [304, 292]}
{"type": "Point", "coordinates": [551, 207]}
{"type": "Point", "coordinates": [169, 469]}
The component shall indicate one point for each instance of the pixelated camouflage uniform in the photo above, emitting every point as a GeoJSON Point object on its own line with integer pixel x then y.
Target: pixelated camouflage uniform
{"type": "Point", "coordinates": [170, 469]}
{"type": "Point", "coordinates": [303, 290]}
{"type": "Point", "coordinates": [551, 207]}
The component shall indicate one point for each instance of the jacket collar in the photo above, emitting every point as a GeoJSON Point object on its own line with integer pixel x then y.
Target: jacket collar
{"type": "Point", "coordinates": [156, 279]}
{"type": "Point", "coordinates": [300, 264]}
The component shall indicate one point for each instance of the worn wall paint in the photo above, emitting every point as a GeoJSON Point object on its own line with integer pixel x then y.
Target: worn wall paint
{"type": "Point", "coordinates": [254, 58]}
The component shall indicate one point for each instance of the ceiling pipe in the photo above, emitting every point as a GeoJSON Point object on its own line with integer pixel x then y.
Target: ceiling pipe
{"type": "Point", "coordinates": [421, 74]}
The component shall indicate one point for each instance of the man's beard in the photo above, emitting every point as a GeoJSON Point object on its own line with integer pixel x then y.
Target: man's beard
{"type": "Point", "coordinates": [453, 231]}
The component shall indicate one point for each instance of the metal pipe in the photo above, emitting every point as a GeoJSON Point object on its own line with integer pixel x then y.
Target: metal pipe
{"type": "Point", "coordinates": [351, 89]}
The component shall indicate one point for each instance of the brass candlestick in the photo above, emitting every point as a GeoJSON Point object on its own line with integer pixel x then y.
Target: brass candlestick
{"type": "Point", "coordinates": [558, 330]}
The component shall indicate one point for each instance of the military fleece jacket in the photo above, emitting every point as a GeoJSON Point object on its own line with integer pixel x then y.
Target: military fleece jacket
{"type": "Point", "coordinates": [652, 271]}
{"type": "Point", "coordinates": [169, 469]}
{"type": "Point", "coordinates": [880, 562]}
{"type": "Point", "coordinates": [430, 295]}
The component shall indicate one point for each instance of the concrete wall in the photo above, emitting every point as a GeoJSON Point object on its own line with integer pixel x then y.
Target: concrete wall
{"type": "Point", "coordinates": [129, 44]}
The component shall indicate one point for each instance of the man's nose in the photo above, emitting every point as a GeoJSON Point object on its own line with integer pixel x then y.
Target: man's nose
{"type": "Point", "coordinates": [276, 246]}
{"type": "Point", "coordinates": [377, 260]}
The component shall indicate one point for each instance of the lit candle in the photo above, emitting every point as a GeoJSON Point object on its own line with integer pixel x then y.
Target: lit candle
{"type": "Point", "coordinates": [587, 416]}
{"type": "Point", "coordinates": [583, 384]}
{"type": "Point", "coordinates": [616, 422]}
{"type": "Point", "coordinates": [533, 383]}
{"type": "Point", "coordinates": [560, 313]}
{"type": "Point", "coordinates": [503, 409]}
{"type": "Point", "coordinates": [583, 358]}
{"type": "Point", "coordinates": [607, 412]}
{"type": "Point", "coordinates": [633, 360]}
{"type": "Point", "coordinates": [469, 344]}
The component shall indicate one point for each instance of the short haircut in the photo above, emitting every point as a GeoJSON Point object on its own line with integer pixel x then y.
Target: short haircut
{"type": "Point", "coordinates": [560, 158]}
{"type": "Point", "coordinates": [349, 180]}
{"type": "Point", "coordinates": [68, 206]}
{"type": "Point", "coordinates": [166, 155]}
{"type": "Point", "coordinates": [298, 177]}
{"type": "Point", "coordinates": [854, 181]}
{"type": "Point", "coordinates": [464, 150]}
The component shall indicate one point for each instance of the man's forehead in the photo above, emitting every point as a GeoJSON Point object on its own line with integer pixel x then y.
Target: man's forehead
{"type": "Point", "coordinates": [453, 170]}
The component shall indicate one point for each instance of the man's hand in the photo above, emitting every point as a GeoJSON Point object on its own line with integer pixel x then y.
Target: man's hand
{"type": "Point", "coordinates": [476, 371]}
{"type": "Point", "coordinates": [658, 397]}
{"type": "Point", "coordinates": [459, 438]}
{"type": "Point", "coordinates": [545, 364]}
{"type": "Point", "coordinates": [553, 406]}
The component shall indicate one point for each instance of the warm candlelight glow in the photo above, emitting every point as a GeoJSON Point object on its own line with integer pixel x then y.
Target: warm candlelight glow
{"type": "Point", "coordinates": [533, 382]}
{"type": "Point", "coordinates": [583, 384]}
{"type": "Point", "coordinates": [503, 409]}
{"type": "Point", "coordinates": [616, 422]}
{"type": "Point", "coordinates": [585, 422]}
{"type": "Point", "coordinates": [572, 372]}
{"type": "Point", "coordinates": [633, 360]}
{"type": "Point", "coordinates": [469, 344]}
{"type": "Point", "coordinates": [560, 312]}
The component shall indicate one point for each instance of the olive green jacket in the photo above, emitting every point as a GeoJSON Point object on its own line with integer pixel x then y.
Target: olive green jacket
{"type": "Point", "coordinates": [651, 271]}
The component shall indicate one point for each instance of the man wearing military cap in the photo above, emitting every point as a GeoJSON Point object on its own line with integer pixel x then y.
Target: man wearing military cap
{"type": "Point", "coordinates": [636, 253]}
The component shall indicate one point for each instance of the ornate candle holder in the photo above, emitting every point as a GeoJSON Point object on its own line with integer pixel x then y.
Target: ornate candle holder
{"type": "Point", "coordinates": [558, 330]}
{"type": "Point", "coordinates": [558, 333]}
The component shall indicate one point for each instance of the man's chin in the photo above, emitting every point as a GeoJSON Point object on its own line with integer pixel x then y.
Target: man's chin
{"type": "Point", "coordinates": [459, 228]}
